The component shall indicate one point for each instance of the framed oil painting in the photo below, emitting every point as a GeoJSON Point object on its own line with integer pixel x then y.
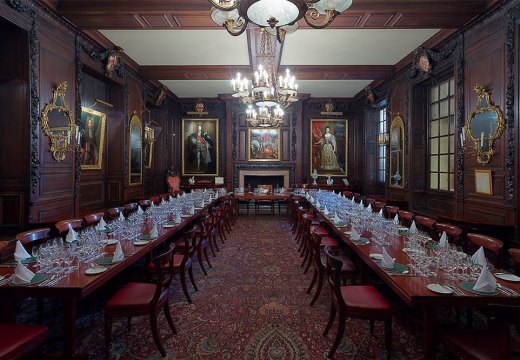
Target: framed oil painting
{"type": "Point", "coordinates": [135, 155]}
{"type": "Point", "coordinates": [199, 147]}
{"type": "Point", "coordinates": [263, 145]}
{"type": "Point", "coordinates": [92, 142]}
{"type": "Point", "coordinates": [329, 147]}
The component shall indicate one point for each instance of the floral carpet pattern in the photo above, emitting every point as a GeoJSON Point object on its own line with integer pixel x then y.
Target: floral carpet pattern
{"type": "Point", "coordinates": [252, 305]}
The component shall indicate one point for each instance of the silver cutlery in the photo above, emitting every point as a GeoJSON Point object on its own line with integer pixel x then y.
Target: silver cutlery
{"type": "Point", "coordinates": [48, 280]}
{"type": "Point", "coordinates": [455, 289]}
{"type": "Point", "coordinates": [507, 290]}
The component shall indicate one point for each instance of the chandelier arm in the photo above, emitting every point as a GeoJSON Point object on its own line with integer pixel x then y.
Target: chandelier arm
{"type": "Point", "coordinates": [312, 15]}
{"type": "Point", "coordinates": [224, 8]}
{"type": "Point", "coordinates": [237, 28]}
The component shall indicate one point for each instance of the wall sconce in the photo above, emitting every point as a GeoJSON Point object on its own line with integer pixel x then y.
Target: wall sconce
{"type": "Point", "coordinates": [483, 127]}
{"type": "Point", "coordinates": [149, 134]}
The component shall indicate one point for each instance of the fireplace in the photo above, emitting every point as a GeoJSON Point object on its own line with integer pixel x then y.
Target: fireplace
{"type": "Point", "coordinates": [252, 181]}
{"type": "Point", "coordinates": [255, 177]}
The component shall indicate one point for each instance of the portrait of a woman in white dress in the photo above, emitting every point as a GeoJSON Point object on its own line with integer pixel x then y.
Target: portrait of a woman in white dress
{"type": "Point", "coordinates": [328, 151]}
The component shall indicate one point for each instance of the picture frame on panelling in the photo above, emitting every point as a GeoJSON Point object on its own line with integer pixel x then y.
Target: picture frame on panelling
{"type": "Point", "coordinates": [263, 144]}
{"type": "Point", "coordinates": [200, 147]}
{"type": "Point", "coordinates": [329, 147]}
{"type": "Point", "coordinates": [92, 140]}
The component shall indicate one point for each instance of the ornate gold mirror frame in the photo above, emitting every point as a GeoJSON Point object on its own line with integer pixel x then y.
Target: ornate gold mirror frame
{"type": "Point", "coordinates": [485, 124]}
{"type": "Point", "coordinates": [397, 152]}
{"type": "Point", "coordinates": [135, 152]}
{"type": "Point", "coordinates": [60, 137]}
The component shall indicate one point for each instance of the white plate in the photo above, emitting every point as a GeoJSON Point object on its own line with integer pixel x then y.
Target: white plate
{"type": "Point", "coordinates": [508, 277]}
{"type": "Point", "coordinates": [186, 215]}
{"type": "Point", "coordinates": [166, 226]}
{"type": "Point", "coordinates": [348, 232]}
{"type": "Point", "coordinates": [141, 242]}
{"type": "Point", "coordinates": [439, 289]}
{"type": "Point", "coordinates": [376, 256]}
{"type": "Point", "coordinates": [110, 241]}
{"type": "Point", "coordinates": [95, 270]}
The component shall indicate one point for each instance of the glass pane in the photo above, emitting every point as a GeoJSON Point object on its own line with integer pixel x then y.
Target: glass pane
{"type": "Point", "coordinates": [452, 106]}
{"type": "Point", "coordinates": [434, 146]}
{"type": "Point", "coordinates": [443, 163]}
{"type": "Point", "coordinates": [443, 181]}
{"type": "Point", "coordinates": [444, 108]}
{"type": "Point", "coordinates": [452, 163]}
{"type": "Point", "coordinates": [452, 182]}
{"type": "Point", "coordinates": [434, 93]}
{"type": "Point", "coordinates": [443, 127]}
{"type": "Point", "coordinates": [434, 111]}
{"type": "Point", "coordinates": [451, 120]}
{"type": "Point", "coordinates": [434, 128]}
{"type": "Point", "coordinates": [381, 164]}
{"type": "Point", "coordinates": [443, 148]}
{"type": "Point", "coordinates": [434, 163]}
{"type": "Point", "coordinates": [434, 181]}
{"type": "Point", "coordinates": [452, 144]}
{"type": "Point", "coordinates": [452, 86]}
{"type": "Point", "coordinates": [444, 90]}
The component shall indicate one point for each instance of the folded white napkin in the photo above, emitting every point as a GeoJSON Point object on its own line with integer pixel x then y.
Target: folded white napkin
{"type": "Point", "coordinates": [352, 201]}
{"type": "Point", "coordinates": [192, 210]}
{"type": "Point", "coordinates": [71, 236]}
{"type": "Point", "coordinates": [337, 220]}
{"type": "Point", "coordinates": [118, 254]}
{"type": "Point", "coordinates": [443, 241]}
{"type": "Point", "coordinates": [210, 198]}
{"type": "Point", "coordinates": [170, 198]}
{"type": "Point", "coordinates": [369, 207]}
{"type": "Point", "coordinates": [413, 228]}
{"type": "Point", "coordinates": [339, 194]}
{"type": "Point", "coordinates": [204, 191]}
{"type": "Point", "coordinates": [178, 218]}
{"type": "Point", "coordinates": [121, 216]}
{"type": "Point", "coordinates": [381, 213]}
{"type": "Point", "coordinates": [202, 204]}
{"type": "Point", "coordinates": [486, 282]}
{"type": "Point", "coordinates": [311, 200]}
{"type": "Point", "coordinates": [101, 225]}
{"type": "Point", "coordinates": [318, 204]}
{"type": "Point", "coordinates": [396, 219]}
{"type": "Point", "coordinates": [162, 201]}
{"type": "Point", "coordinates": [326, 211]}
{"type": "Point", "coordinates": [319, 190]}
{"type": "Point", "coordinates": [139, 210]}
{"type": "Point", "coordinates": [387, 261]}
{"type": "Point", "coordinates": [20, 253]}
{"type": "Point", "coordinates": [22, 275]}
{"type": "Point", "coordinates": [354, 235]}
{"type": "Point", "coordinates": [154, 233]}
{"type": "Point", "coordinates": [479, 257]}
{"type": "Point", "coordinates": [152, 205]}
{"type": "Point", "coordinates": [361, 205]}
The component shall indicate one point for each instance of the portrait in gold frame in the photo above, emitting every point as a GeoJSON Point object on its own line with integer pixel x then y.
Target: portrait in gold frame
{"type": "Point", "coordinates": [263, 144]}
{"type": "Point", "coordinates": [92, 138]}
{"type": "Point", "coordinates": [329, 147]}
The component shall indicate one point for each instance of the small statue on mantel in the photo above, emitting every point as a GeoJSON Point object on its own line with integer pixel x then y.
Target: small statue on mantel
{"type": "Point", "coordinates": [330, 182]}
{"type": "Point", "coordinates": [191, 180]}
{"type": "Point", "coordinates": [314, 176]}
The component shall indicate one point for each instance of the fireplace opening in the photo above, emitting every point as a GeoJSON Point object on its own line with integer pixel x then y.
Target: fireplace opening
{"type": "Point", "coordinates": [252, 181]}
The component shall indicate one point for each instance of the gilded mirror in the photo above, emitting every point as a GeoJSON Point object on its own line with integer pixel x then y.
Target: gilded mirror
{"type": "Point", "coordinates": [135, 153]}
{"type": "Point", "coordinates": [57, 124]}
{"type": "Point", "coordinates": [484, 126]}
{"type": "Point", "coordinates": [397, 152]}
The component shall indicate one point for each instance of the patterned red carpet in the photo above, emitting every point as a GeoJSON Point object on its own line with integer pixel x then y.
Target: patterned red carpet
{"type": "Point", "coordinates": [252, 305]}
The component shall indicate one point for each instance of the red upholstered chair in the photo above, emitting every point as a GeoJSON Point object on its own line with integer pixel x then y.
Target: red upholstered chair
{"type": "Point", "coordinates": [130, 208]}
{"type": "Point", "coordinates": [515, 256]}
{"type": "Point", "coordinates": [492, 246]}
{"type": "Point", "coordinates": [18, 340]}
{"type": "Point", "coordinates": [202, 241]}
{"type": "Point", "coordinates": [33, 237]}
{"type": "Point", "coordinates": [348, 269]}
{"type": "Point", "coordinates": [115, 211]}
{"type": "Point", "coordinates": [405, 217]}
{"type": "Point", "coordinates": [63, 226]}
{"type": "Point", "coordinates": [139, 299]}
{"type": "Point", "coordinates": [7, 249]}
{"type": "Point", "coordinates": [156, 200]}
{"type": "Point", "coordinates": [94, 218]}
{"type": "Point", "coordinates": [453, 232]}
{"type": "Point", "coordinates": [378, 205]}
{"type": "Point", "coordinates": [348, 194]}
{"type": "Point", "coordinates": [370, 201]}
{"type": "Point", "coordinates": [357, 197]}
{"type": "Point", "coordinates": [391, 211]}
{"type": "Point", "coordinates": [426, 224]}
{"type": "Point", "coordinates": [493, 343]}
{"type": "Point", "coordinates": [312, 227]}
{"type": "Point", "coordinates": [354, 301]}
{"type": "Point", "coordinates": [145, 204]}
{"type": "Point", "coordinates": [174, 184]}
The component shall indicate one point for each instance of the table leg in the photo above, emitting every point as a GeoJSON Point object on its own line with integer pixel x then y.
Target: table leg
{"type": "Point", "coordinates": [69, 328]}
{"type": "Point", "coordinates": [429, 331]}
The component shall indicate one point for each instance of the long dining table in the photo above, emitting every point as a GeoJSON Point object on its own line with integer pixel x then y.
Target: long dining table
{"type": "Point", "coordinates": [412, 289]}
{"type": "Point", "coordinates": [78, 285]}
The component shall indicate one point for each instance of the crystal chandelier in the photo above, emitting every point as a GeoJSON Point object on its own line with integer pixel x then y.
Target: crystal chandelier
{"type": "Point", "coordinates": [269, 96]}
{"type": "Point", "coordinates": [279, 17]}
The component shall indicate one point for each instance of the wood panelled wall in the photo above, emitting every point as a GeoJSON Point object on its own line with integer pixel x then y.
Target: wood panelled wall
{"type": "Point", "coordinates": [485, 53]}
{"type": "Point", "coordinates": [41, 51]}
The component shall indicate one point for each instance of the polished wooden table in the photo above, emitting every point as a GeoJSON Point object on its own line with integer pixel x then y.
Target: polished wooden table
{"type": "Point", "coordinates": [248, 198]}
{"type": "Point", "coordinates": [78, 285]}
{"type": "Point", "coordinates": [412, 289]}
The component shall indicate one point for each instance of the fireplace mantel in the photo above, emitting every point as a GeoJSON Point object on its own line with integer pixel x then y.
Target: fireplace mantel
{"type": "Point", "coordinates": [241, 170]}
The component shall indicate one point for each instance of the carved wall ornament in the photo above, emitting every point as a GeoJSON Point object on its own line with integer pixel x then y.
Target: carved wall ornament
{"type": "Point", "coordinates": [161, 95]}
{"type": "Point", "coordinates": [425, 59]}
{"type": "Point", "coordinates": [112, 59]}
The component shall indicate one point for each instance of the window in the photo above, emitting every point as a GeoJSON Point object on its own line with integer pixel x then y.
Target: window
{"type": "Point", "coordinates": [441, 136]}
{"type": "Point", "coordinates": [382, 139]}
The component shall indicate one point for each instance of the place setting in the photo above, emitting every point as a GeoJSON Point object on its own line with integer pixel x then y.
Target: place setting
{"type": "Point", "coordinates": [25, 277]}
{"type": "Point", "coordinates": [117, 257]}
{"type": "Point", "coordinates": [390, 266]}
{"type": "Point", "coordinates": [146, 238]}
{"type": "Point", "coordinates": [356, 238]}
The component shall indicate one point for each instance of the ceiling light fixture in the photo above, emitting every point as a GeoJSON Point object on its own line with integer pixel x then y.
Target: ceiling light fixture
{"type": "Point", "coordinates": [279, 17]}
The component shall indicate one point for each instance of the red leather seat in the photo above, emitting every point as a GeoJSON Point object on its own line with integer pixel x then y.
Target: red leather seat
{"type": "Point", "coordinates": [329, 241]}
{"type": "Point", "coordinates": [365, 298]}
{"type": "Point", "coordinates": [318, 230]}
{"type": "Point", "coordinates": [19, 339]}
{"type": "Point", "coordinates": [133, 297]}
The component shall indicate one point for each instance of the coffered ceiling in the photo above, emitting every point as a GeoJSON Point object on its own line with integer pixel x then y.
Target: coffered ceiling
{"type": "Point", "coordinates": [176, 42]}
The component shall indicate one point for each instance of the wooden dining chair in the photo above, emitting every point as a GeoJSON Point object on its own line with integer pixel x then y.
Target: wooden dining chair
{"type": "Point", "coordinates": [265, 202]}
{"type": "Point", "coordinates": [139, 299]}
{"type": "Point", "coordinates": [156, 200]}
{"type": "Point", "coordinates": [370, 201]}
{"type": "Point", "coordinates": [453, 232]}
{"type": "Point", "coordinates": [64, 226]}
{"type": "Point", "coordinates": [115, 211]}
{"type": "Point", "coordinates": [378, 206]}
{"type": "Point", "coordinates": [357, 197]}
{"type": "Point", "coordinates": [20, 340]}
{"type": "Point", "coordinates": [94, 218]}
{"type": "Point", "coordinates": [31, 238]}
{"type": "Point", "coordinates": [391, 211]}
{"type": "Point", "coordinates": [405, 217]}
{"type": "Point", "coordinates": [130, 208]}
{"type": "Point", "coordinates": [354, 301]}
{"type": "Point", "coordinates": [7, 249]}
{"type": "Point", "coordinates": [515, 256]}
{"type": "Point", "coordinates": [145, 204]}
{"type": "Point", "coordinates": [426, 224]}
{"type": "Point", "coordinates": [348, 194]}
{"type": "Point", "coordinates": [492, 246]}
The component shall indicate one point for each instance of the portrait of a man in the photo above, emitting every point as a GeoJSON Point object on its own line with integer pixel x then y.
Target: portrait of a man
{"type": "Point", "coordinates": [91, 141]}
{"type": "Point", "coordinates": [200, 141]}
{"type": "Point", "coordinates": [329, 147]}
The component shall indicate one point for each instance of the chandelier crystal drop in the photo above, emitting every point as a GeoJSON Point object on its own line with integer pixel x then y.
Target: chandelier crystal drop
{"type": "Point", "coordinates": [280, 16]}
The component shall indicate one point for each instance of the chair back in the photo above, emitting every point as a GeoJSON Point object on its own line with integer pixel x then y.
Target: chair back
{"type": "Point", "coordinates": [145, 204]}
{"type": "Point", "coordinates": [378, 205]}
{"type": "Point", "coordinates": [130, 208]}
{"type": "Point", "coordinates": [348, 194]}
{"type": "Point", "coordinates": [156, 200]}
{"type": "Point", "coordinates": [64, 226]}
{"type": "Point", "coordinates": [190, 244]}
{"type": "Point", "coordinates": [333, 271]}
{"type": "Point", "coordinates": [164, 266]}
{"type": "Point", "coordinates": [425, 224]}
{"type": "Point", "coordinates": [370, 201]}
{"type": "Point", "coordinates": [453, 232]}
{"type": "Point", "coordinates": [33, 237]}
{"type": "Point", "coordinates": [357, 197]}
{"type": "Point", "coordinates": [405, 217]}
{"type": "Point", "coordinates": [7, 249]}
{"type": "Point", "coordinates": [315, 242]}
{"type": "Point", "coordinates": [391, 211]}
{"type": "Point", "coordinates": [269, 188]}
{"type": "Point", "coordinates": [94, 218]}
{"type": "Point", "coordinates": [515, 256]}
{"type": "Point", "coordinates": [489, 243]}
{"type": "Point", "coordinates": [115, 211]}
{"type": "Point", "coordinates": [174, 184]}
